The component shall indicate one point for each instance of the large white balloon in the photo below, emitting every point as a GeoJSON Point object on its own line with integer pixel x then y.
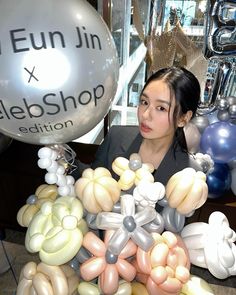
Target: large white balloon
{"type": "Point", "coordinates": [58, 69]}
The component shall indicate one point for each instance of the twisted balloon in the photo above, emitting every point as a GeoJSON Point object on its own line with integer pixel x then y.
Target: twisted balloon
{"type": "Point", "coordinates": [106, 265]}
{"type": "Point", "coordinates": [56, 231]}
{"type": "Point", "coordinates": [212, 245]}
{"type": "Point", "coordinates": [128, 225]}
{"type": "Point", "coordinates": [132, 171]}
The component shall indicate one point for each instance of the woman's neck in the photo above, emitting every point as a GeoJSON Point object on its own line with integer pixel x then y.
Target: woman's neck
{"type": "Point", "coordinates": [153, 151]}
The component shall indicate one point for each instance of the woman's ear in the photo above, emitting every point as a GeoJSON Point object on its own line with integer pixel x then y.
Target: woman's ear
{"type": "Point", "coordinates": [185, 118]}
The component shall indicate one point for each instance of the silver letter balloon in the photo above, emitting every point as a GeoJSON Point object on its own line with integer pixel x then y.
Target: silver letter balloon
{"type": "Point", "coordinates": [58, 70]}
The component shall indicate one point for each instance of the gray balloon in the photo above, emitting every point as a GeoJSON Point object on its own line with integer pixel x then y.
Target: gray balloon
{"type": "Point", "coordinates": [201, 122]}
{"type": "Point", "coordinates": [157, 225]}
{"type": "Point", "coordinates": [222, 104]}
{"type": "Point", "coordinates": [31, 199]}
{"type": "Point", "coordinates": [91, 220]}
{"type": "Point", "coordinates": [232, 164]}
{"type": "Point", "coordinates": [58, 76]}
{"type": "Point", "coordinates": [232, 111]}
{"type": "Point", "coordinates": [231, 100]}
{"type": "Point", "coordinates": [223, 115]}
{"type": "Point", "coordinates": [174, 221]}
{"type": "Point", "coordinates": [82, 255]}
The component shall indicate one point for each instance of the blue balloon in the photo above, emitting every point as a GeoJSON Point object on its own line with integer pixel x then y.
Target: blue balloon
{"type": "Point", "coordinates": [219, 141]}
{"type": "Point", "coordinates": [219, 180]}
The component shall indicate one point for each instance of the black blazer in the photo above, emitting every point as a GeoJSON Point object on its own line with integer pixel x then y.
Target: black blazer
{"type": "Point", "coordinates": [125, 140]}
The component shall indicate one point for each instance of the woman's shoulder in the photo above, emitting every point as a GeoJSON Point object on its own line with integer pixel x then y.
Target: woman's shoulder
{"type": "Point", "coordinates": [124, 130]}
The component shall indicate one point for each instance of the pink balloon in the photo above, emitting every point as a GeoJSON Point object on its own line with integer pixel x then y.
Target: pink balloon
{"type": "Point", "coordinates": [108, 268]}
{"type": "Point", "coordinates": [165, 268]}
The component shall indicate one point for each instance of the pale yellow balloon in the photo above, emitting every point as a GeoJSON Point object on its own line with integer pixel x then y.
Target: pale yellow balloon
{"type": "Point", "coordinates": [196, 286]}
{"type": "Point", "coordinates": [86, 288]}
{"type": "Point", "coordinates": [138, 289]}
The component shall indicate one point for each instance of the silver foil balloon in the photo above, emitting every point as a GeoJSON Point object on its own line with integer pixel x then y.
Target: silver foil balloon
{"type": "Point", "coordinates": [173, 220]}
{"type": "Point", "coordinates": [220, 29]}
{"type": "Point", "coordinates": [201, 122]}
{"type": "Point", "coordinates": [223, 115]}
{"type": "Point", "coordinates": [59, 70]}
{"type": "Point", "coordinates": [222, 104]}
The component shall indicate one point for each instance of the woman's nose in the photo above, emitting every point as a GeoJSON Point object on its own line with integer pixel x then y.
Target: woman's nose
{"type": "Point", "coordinates": [147, 112]}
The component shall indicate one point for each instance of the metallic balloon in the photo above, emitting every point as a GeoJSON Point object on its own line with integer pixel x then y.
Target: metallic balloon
{"type": "Point", "coordinates": [110, 257]}
{"type": "Point", "coordinates": [223, 115]}
{"type": "Point", "coordinates": [231, 100]}
{"type": "Point", "coordinates": [232, 164]}
{"type": "Point", "coordinates": [91, 220]}
{"type": "Point", "coordinates": [193, 137]}
{"type": "Point", "coordinates": [135, 162]}
{"type": "Point", "coordinates": [157, 225]}
{"type": "Point", "coordinates": [220, 29]}
{"type": "Point", "coordinates": [59, 70]}
{"type": "Point", "coordinates": [32, 199]}
{"type": "Point", "coordinates": [201, 122]}
{"type": "Point", "coordinates": [83, 255]}
{"type": "Point", "coordinates": [232, 111]}
{"type": "Point", "coordinates": [222, 104]}
{"type": "Point", "coordinates": [233, 181]}
{"type": "Point", "coordinates": [219, 141]}
{"type": "Point", "coordinates": [173, 220]}
{"type": "Point", "coordinates": [219, 180]}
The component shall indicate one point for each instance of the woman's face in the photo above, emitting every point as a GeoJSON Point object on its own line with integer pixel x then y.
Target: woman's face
{"type": "Point", "coordinates": [155, 112]}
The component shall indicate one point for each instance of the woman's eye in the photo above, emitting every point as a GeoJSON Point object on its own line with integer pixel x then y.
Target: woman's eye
{"type": "Point", "coordinates": [143, 102]}
{"type": "Point", "coordinates": [161, 108]}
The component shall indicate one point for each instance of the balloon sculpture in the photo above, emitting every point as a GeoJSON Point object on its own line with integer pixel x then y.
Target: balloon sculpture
{"type": "Point", "coordinates": [187, 190]}
{"type": "Point", "coordinates": [56, 231]}
{"type": "Point", "coordinates": [132, 171]}
{"type": "Point", "coordinates": [97, 190]}
{"type": "Point", "coordinates": [136, 253]}
{"type": "Point", "coordinates": [44, 279]}
{"type": "Point", "coordinates": [33, 204]}
{"type": "Point", "coordinates": [58, 78]}
{"type": "Point", "coordinates": [212, 245]}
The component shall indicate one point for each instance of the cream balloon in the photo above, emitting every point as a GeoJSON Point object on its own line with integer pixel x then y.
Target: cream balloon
{"type": "Point", "coordinates": [43, 279]}
{"type": "Point", "coordinates": [59, 75]}
{"type": "Point", "coordinates": [196, 286]}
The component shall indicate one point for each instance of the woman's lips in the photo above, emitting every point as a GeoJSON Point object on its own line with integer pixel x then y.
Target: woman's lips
{"type": "Point", "coordinates": [145, 128]}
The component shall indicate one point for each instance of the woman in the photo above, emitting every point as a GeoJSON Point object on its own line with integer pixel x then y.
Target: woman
{"type": "Point", "coordinates": [168, 101]}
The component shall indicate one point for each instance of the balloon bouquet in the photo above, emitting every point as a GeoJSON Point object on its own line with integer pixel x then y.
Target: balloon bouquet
{"type": "Point", "coordinates": [213, 130]}
{"type": "Point", "coordinates": [96, 235]}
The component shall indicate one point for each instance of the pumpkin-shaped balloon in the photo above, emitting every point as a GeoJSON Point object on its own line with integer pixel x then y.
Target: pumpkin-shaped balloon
{"type": "Point", "coordinates": [43, 193]}
{"type": "Point", "coordinates": [97, 190]}
{"type": "Point", "coordinates": [187, 190]}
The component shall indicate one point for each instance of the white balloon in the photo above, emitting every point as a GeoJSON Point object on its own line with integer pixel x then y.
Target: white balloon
{"type": "Point", "coordinates": [51, 178]}
{"type": "Point", "coordinates": [64, 190]}
{"type": "Point", "coordinates": [45, 152]}
{"type": "Point", "coordinates": [53, 167]}
{"type": "Point", "coordinates": [58, 76]}
{"type": "Point", "coordinates": [44, 163]}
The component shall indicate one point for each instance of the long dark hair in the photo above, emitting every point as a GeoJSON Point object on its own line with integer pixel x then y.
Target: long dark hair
{"type": "Point", "coordinates": [185, 88]}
